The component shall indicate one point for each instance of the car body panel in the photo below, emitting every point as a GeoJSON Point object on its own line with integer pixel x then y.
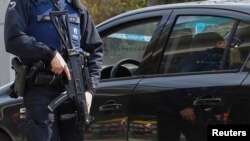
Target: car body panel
{"type": "Point", "coordinates": [9, 114]}
{"type": "Point", "coordinates": [156, 94]}
{"type": "Point", "coordinates": [111, 109]}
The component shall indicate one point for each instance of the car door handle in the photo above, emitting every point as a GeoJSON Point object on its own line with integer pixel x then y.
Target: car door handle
{"type": "Point", "coordinates": [207, 102]}
{"type": "Point", "coordinates": [110, 107]}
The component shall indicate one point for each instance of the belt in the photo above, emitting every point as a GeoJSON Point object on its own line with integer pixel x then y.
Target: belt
{"type": "Point", "coordinates": [47, 78]}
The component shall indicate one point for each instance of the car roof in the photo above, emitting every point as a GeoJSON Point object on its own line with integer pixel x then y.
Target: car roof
{"type": "Point", "coordinates": [234, 5]}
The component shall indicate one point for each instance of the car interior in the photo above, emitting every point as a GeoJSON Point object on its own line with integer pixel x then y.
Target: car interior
{"type": "Point", "coordinates": [123, 68]}
{"type": "Point", "coordinates": [180, 47]}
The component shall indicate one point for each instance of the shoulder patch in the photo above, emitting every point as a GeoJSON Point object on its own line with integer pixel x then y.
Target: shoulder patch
{"type": "Point", "coordinates": [12, 5]}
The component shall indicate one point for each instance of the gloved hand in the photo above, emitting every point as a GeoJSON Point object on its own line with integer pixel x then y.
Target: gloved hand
{"type": "Point", "coordinates": [89, 97]}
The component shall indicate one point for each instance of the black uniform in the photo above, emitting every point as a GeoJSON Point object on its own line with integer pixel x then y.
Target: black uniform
{"type": "Point", "coordinates": [30, 35]}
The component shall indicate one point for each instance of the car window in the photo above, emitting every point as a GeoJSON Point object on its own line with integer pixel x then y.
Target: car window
{"type": "Point", "coordinates": [128, 42]}
{"type": "Point", "coordinates": [197, 43]}
{"type": "Point", "coordinates": [240, 46]}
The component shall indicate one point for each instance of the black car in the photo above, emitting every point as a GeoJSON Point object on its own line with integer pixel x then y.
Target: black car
{"type": "Point", "coordinates": [144, 87]}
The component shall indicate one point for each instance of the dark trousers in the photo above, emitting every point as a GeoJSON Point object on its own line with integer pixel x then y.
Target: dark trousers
{"type": "Point", "coordinates": [43, 125]}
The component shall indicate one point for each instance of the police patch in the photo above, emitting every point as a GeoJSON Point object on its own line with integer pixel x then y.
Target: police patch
{"type": "Point", "coordinates": [12, 5]}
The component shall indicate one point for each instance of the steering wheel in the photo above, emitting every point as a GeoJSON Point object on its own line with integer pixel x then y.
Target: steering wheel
{"type": "Point", "coordinates": [120, 63]}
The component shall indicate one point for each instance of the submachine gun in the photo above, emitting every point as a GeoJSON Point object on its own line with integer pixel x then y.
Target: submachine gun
{"type": "Point", "coordinates": [76, 61]}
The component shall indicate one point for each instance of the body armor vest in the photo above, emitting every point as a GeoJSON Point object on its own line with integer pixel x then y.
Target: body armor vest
{"type": "Point", "coordinates": [42, 29]}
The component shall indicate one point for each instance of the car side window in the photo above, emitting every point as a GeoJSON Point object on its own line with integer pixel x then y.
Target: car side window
{"type": "Point", "coordinates": [197, 43]}
{"type": "Point", "coordinates": [128, 42]}
{"type": "Point", "coordinates": [240, 46]}
{"type": "Point", "coordinates": [124, 48]}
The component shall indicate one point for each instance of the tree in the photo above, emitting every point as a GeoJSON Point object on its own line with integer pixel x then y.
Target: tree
{"type": "Point", "coordinates": [177, 1]}
{"type": "Point", "coordinates": [101, 10]}
{"type": "Point", "coordinates": [154, 2]}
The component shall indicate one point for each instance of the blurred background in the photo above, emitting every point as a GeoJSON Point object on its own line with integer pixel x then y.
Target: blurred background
{"type": "Point", "coordinates": [101, 10]}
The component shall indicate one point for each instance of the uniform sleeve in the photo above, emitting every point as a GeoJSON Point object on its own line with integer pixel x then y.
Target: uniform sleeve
{"type": "Point", "coordinates": [92, 43]}
{"type": "Point", "coordinates": [17, 41]}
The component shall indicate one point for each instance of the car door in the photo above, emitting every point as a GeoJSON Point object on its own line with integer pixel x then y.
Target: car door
{"type": "Point", "coordinates": [175, 103]}
{"type": "Point", "coordinates": [125, 41]}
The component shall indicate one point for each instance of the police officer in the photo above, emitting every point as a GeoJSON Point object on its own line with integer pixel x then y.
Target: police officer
{"type": "Point", "coordinates": [31, 35]}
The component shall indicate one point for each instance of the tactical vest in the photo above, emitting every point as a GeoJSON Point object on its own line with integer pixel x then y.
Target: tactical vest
{"type": "Point", "coordinates": [42, 28]}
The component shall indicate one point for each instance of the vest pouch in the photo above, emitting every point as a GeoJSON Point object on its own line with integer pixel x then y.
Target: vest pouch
{"type": "Point", "coordinates": [48, 79]}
